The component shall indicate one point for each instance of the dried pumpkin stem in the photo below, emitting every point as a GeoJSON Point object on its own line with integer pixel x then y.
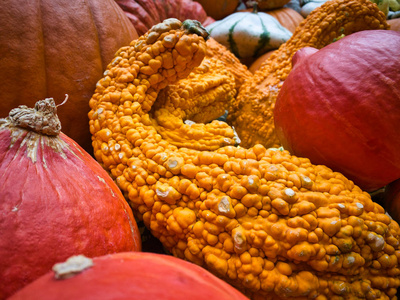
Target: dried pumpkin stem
{"type": "Point", "coordinates": [194, 26]}
{"type": "Point", "coordinates": [42, 118]}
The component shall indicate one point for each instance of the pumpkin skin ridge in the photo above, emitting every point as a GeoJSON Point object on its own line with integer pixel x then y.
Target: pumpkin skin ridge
{"type": "Point", "coordinates": [355, 133]}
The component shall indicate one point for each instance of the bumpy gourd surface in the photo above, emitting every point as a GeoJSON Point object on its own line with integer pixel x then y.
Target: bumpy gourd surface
{"type": "Point", "coordinates": [272, 224]}
{"type": "Point", "coordinates": [231, 62]}
{"type": "Point", "coordinates": [252, 112]}
{"type": "Point", "coordinates": [200, 98]}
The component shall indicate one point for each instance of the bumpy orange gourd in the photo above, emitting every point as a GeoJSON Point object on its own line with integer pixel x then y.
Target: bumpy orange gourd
{"type": "Point", "coordinates": [231, 62]}
{"type": "Point", "coordinates": [202, 97]}
{"type": "Point", "coordinates": [252, 112]}
{"type": "Point", "coordinates": [273, 225]}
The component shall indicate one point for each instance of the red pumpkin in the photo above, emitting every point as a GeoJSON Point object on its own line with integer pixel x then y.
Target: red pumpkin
{"type": "Point", "coordinates": [145, 13]}
{"type": "Point", "coordinates": [340, 106]}
{"type": "Point", "coordinates": [130, 275]}
{"type": "Point", "coordinates": [52, 47]}
{"type": "Point", "coordinates": [56, 200]}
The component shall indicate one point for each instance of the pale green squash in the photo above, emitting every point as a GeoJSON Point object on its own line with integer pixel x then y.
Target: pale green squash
{"type": "Point", "coordinates": [249, 34]}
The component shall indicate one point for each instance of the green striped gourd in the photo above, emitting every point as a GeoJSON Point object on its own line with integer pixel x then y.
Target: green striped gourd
{"type": "Point", "coordinates": [249, 34]}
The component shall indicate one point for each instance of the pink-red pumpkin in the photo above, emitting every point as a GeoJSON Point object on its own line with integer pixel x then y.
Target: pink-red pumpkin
{"type": "Point", "coordinates": [49, 48]}
{"type": "Point", "coordinates": [340, 106]}
{"type": "Point", "coordinates": [130, 275]}
{"type": "Point", "coordinates": [145, 13]}
{"type": "Point", "coordinates": [56, 200]}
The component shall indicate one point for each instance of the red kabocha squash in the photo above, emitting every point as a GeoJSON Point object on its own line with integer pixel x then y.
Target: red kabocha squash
{"type": "Point", "coordinates": [128, 275]}
{"type": "Point", "coordinates": [56, 200]}
{"type": "Point", "coordinates": [52, 47]}
{"type": "Point", "coordinates": [340, 106]}
{"type": "Point", "coordinates": [145, 13]}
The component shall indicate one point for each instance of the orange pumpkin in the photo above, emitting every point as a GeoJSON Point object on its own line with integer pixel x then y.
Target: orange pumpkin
{"type": "Point", "coordinates": [50, 48]}
{"type": "Point", "coordinates": [288, 17]}
{"type": "Point", "coordinates": [219, 9]}
{"type": "Point", "coordinates": [255, 65]}
{"type": "Point", "coordinates": [394, 24]}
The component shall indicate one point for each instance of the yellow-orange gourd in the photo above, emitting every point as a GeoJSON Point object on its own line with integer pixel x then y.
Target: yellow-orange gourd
{"type": "Point", "coordinates": [271, 224]}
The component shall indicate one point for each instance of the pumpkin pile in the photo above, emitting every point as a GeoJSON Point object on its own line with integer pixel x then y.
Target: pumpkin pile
{"type": "Point", "coordinates": [203, 152]}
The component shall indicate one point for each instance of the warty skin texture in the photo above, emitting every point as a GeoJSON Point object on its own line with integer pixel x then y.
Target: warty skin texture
{"type": "Point", "coordinates": [231, 62]}
{"type": "Point", "coordinates": [252, 111]}
{"type": "Point", "coordinates": [271, 224]}
{"type": "Point", "coordinates": [202, 97]}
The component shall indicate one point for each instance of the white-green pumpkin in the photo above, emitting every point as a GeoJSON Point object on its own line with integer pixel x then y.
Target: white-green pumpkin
{"type": "Point", "coordinates": [249, 34]}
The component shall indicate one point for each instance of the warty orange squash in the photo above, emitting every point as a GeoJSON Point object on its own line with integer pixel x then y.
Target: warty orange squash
{"type": "Point", "coordinates": [273, 225]}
